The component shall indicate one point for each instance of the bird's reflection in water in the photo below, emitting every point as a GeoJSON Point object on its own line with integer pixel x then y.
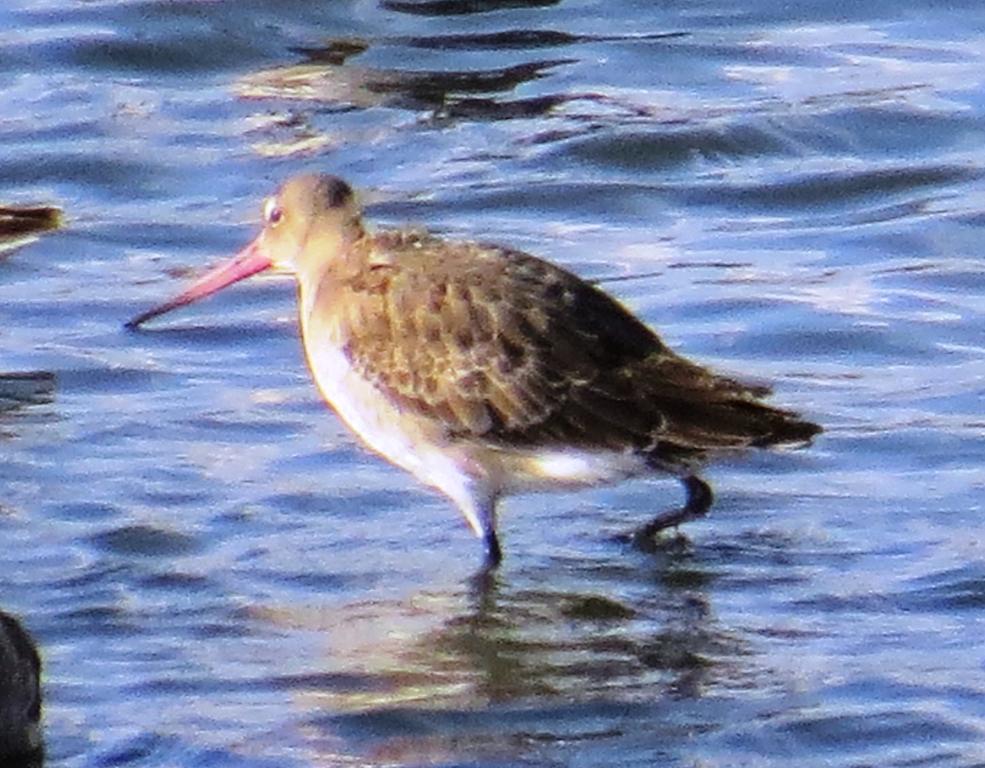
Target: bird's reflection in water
{"type": "Point", "coordinates": [567, 650]}
{"type": "Point", "coordinates": [330, 80]}
{"type": "Point", "coordinates": [21, 389]}
{"type": "Point", "coordinates": [25, 388]}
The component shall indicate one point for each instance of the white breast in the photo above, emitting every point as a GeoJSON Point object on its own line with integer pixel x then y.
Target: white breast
{"type": "Point", "coordinates": [403, 439]}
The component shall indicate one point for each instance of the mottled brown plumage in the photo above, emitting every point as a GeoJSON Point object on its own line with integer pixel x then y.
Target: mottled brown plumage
{"type": "Point", "coordinates": [497, 345]}
{"type": "Point", "coordinates": [484, 370]}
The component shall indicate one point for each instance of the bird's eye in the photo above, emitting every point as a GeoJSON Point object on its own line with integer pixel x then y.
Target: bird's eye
{"type": "Point", "coordinates": [272, 213]}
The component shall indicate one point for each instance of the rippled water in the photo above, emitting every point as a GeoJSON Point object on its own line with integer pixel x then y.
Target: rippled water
{"type": "Point", "coordinates": [219, 576]}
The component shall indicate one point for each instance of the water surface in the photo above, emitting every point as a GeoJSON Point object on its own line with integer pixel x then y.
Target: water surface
{"type": "Point", "coordinates": [219, 575]}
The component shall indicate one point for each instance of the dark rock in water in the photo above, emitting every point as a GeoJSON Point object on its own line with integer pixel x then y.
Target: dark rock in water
{"type": "Point", "coordinates": [20, 695]}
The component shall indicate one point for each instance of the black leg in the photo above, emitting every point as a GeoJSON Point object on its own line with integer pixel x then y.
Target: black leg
{"type": "Point", "coordinates": [494, 554]}
{"type": "Point", "coordinates": [696, 505]}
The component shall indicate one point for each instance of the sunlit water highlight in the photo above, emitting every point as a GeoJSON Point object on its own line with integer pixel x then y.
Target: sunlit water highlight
{"type": "Point", "coordinates": [219, 576]}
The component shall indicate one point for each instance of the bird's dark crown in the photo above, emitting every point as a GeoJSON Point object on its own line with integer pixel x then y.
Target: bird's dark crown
{"type": "Point", "coordinates": [333, 192]}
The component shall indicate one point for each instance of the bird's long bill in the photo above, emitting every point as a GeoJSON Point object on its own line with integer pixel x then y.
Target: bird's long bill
{"type": "Point", "coordinates": [247, 262]}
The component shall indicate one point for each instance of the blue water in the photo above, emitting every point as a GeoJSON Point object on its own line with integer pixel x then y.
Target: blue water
{"type": "Point", "coordinates": [218, 575]}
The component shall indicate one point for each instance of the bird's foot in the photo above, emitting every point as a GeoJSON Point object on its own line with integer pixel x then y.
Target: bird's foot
{"type": "Point", "coordinates": [697, 503]}
{"type": "Point", "coordinates": [494, 553]}
{"type": "Point", "coordinates": [484, 580]}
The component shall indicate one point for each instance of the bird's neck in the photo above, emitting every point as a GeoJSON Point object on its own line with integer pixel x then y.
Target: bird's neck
{"type": "Point", "coordinates": [322, 285]}
{"type": "Point", "coordinates": [335, 256]}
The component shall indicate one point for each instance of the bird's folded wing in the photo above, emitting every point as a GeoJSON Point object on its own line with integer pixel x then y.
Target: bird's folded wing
{"type": "Point", "coordinates": [497, 345]}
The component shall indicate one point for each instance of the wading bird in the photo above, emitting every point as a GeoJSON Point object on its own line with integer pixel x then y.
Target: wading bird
{"type": "Point", "coordinates": [485, 371]}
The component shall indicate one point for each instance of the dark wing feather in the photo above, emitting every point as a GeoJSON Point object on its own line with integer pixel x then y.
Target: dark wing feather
{"type": "Point", "coordinates": [497, 345]}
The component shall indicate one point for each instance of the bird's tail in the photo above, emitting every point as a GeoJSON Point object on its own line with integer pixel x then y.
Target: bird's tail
{"type": "Point", "coordinates": [735, 423]}
{"type": "Point", "coordinates": [705, 411]}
